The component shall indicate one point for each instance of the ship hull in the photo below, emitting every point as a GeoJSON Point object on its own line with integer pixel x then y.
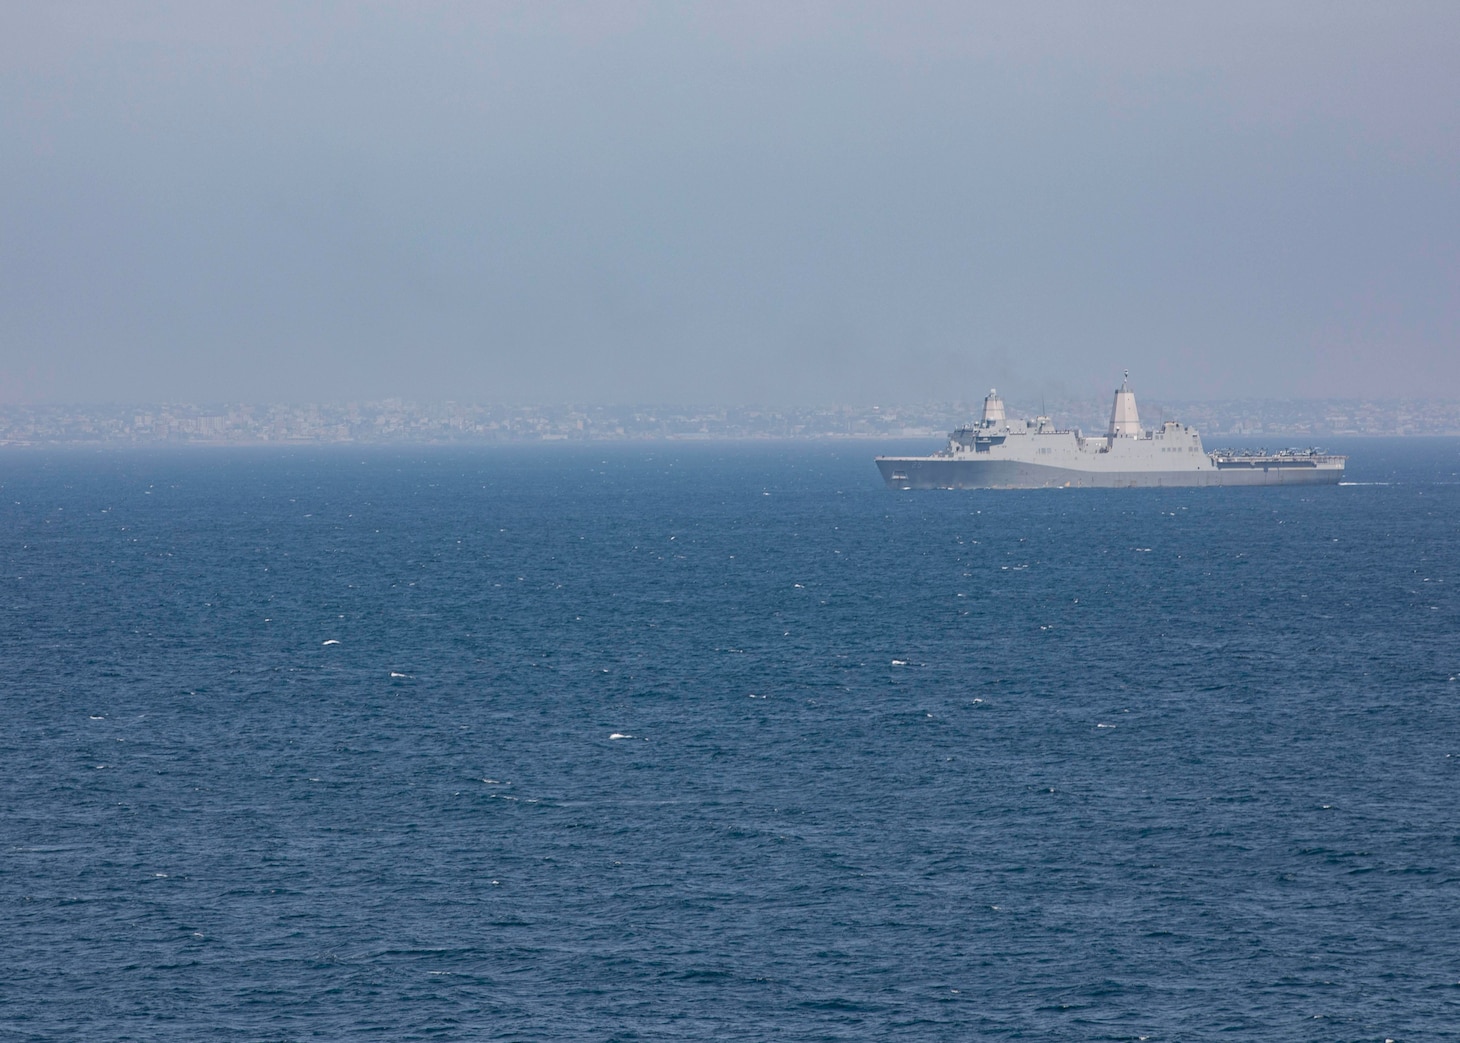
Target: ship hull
{"type": "Point", "coordinates": [931, 472]}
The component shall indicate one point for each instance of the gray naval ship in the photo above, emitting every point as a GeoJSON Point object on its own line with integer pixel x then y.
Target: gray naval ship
{"type": "Point", "coordinates": [999, 453]}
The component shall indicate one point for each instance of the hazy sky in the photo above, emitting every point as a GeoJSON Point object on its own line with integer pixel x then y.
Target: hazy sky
{"type": "Point", "coordinates": [727, 202]}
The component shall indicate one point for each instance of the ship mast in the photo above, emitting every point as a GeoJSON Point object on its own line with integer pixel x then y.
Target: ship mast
{"type": "Point", "coordinates": [993, 409]}
{"type": "Point", "coordinates": [1125, 422]}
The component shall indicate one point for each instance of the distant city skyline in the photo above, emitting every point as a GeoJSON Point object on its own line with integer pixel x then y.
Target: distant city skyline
{"type": "Point", "coordinates": [397, 421]}
{"type": "Point", "coordinates": [782, 203]}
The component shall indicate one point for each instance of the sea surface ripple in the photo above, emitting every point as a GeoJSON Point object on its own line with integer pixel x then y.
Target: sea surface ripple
{"type": "Point", "coordinates": [722, 742]}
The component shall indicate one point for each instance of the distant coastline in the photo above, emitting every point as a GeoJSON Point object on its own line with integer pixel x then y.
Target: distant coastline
{"type": "Point", "coordinates": [400, 422]}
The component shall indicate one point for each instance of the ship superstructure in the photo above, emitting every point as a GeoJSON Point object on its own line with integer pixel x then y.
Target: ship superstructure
{"type": "Point", "coordinates": [1000, 453]}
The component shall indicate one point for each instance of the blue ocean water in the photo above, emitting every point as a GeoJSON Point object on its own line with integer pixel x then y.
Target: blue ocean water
{"type": "Point", "coordinates": [722, 742]}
